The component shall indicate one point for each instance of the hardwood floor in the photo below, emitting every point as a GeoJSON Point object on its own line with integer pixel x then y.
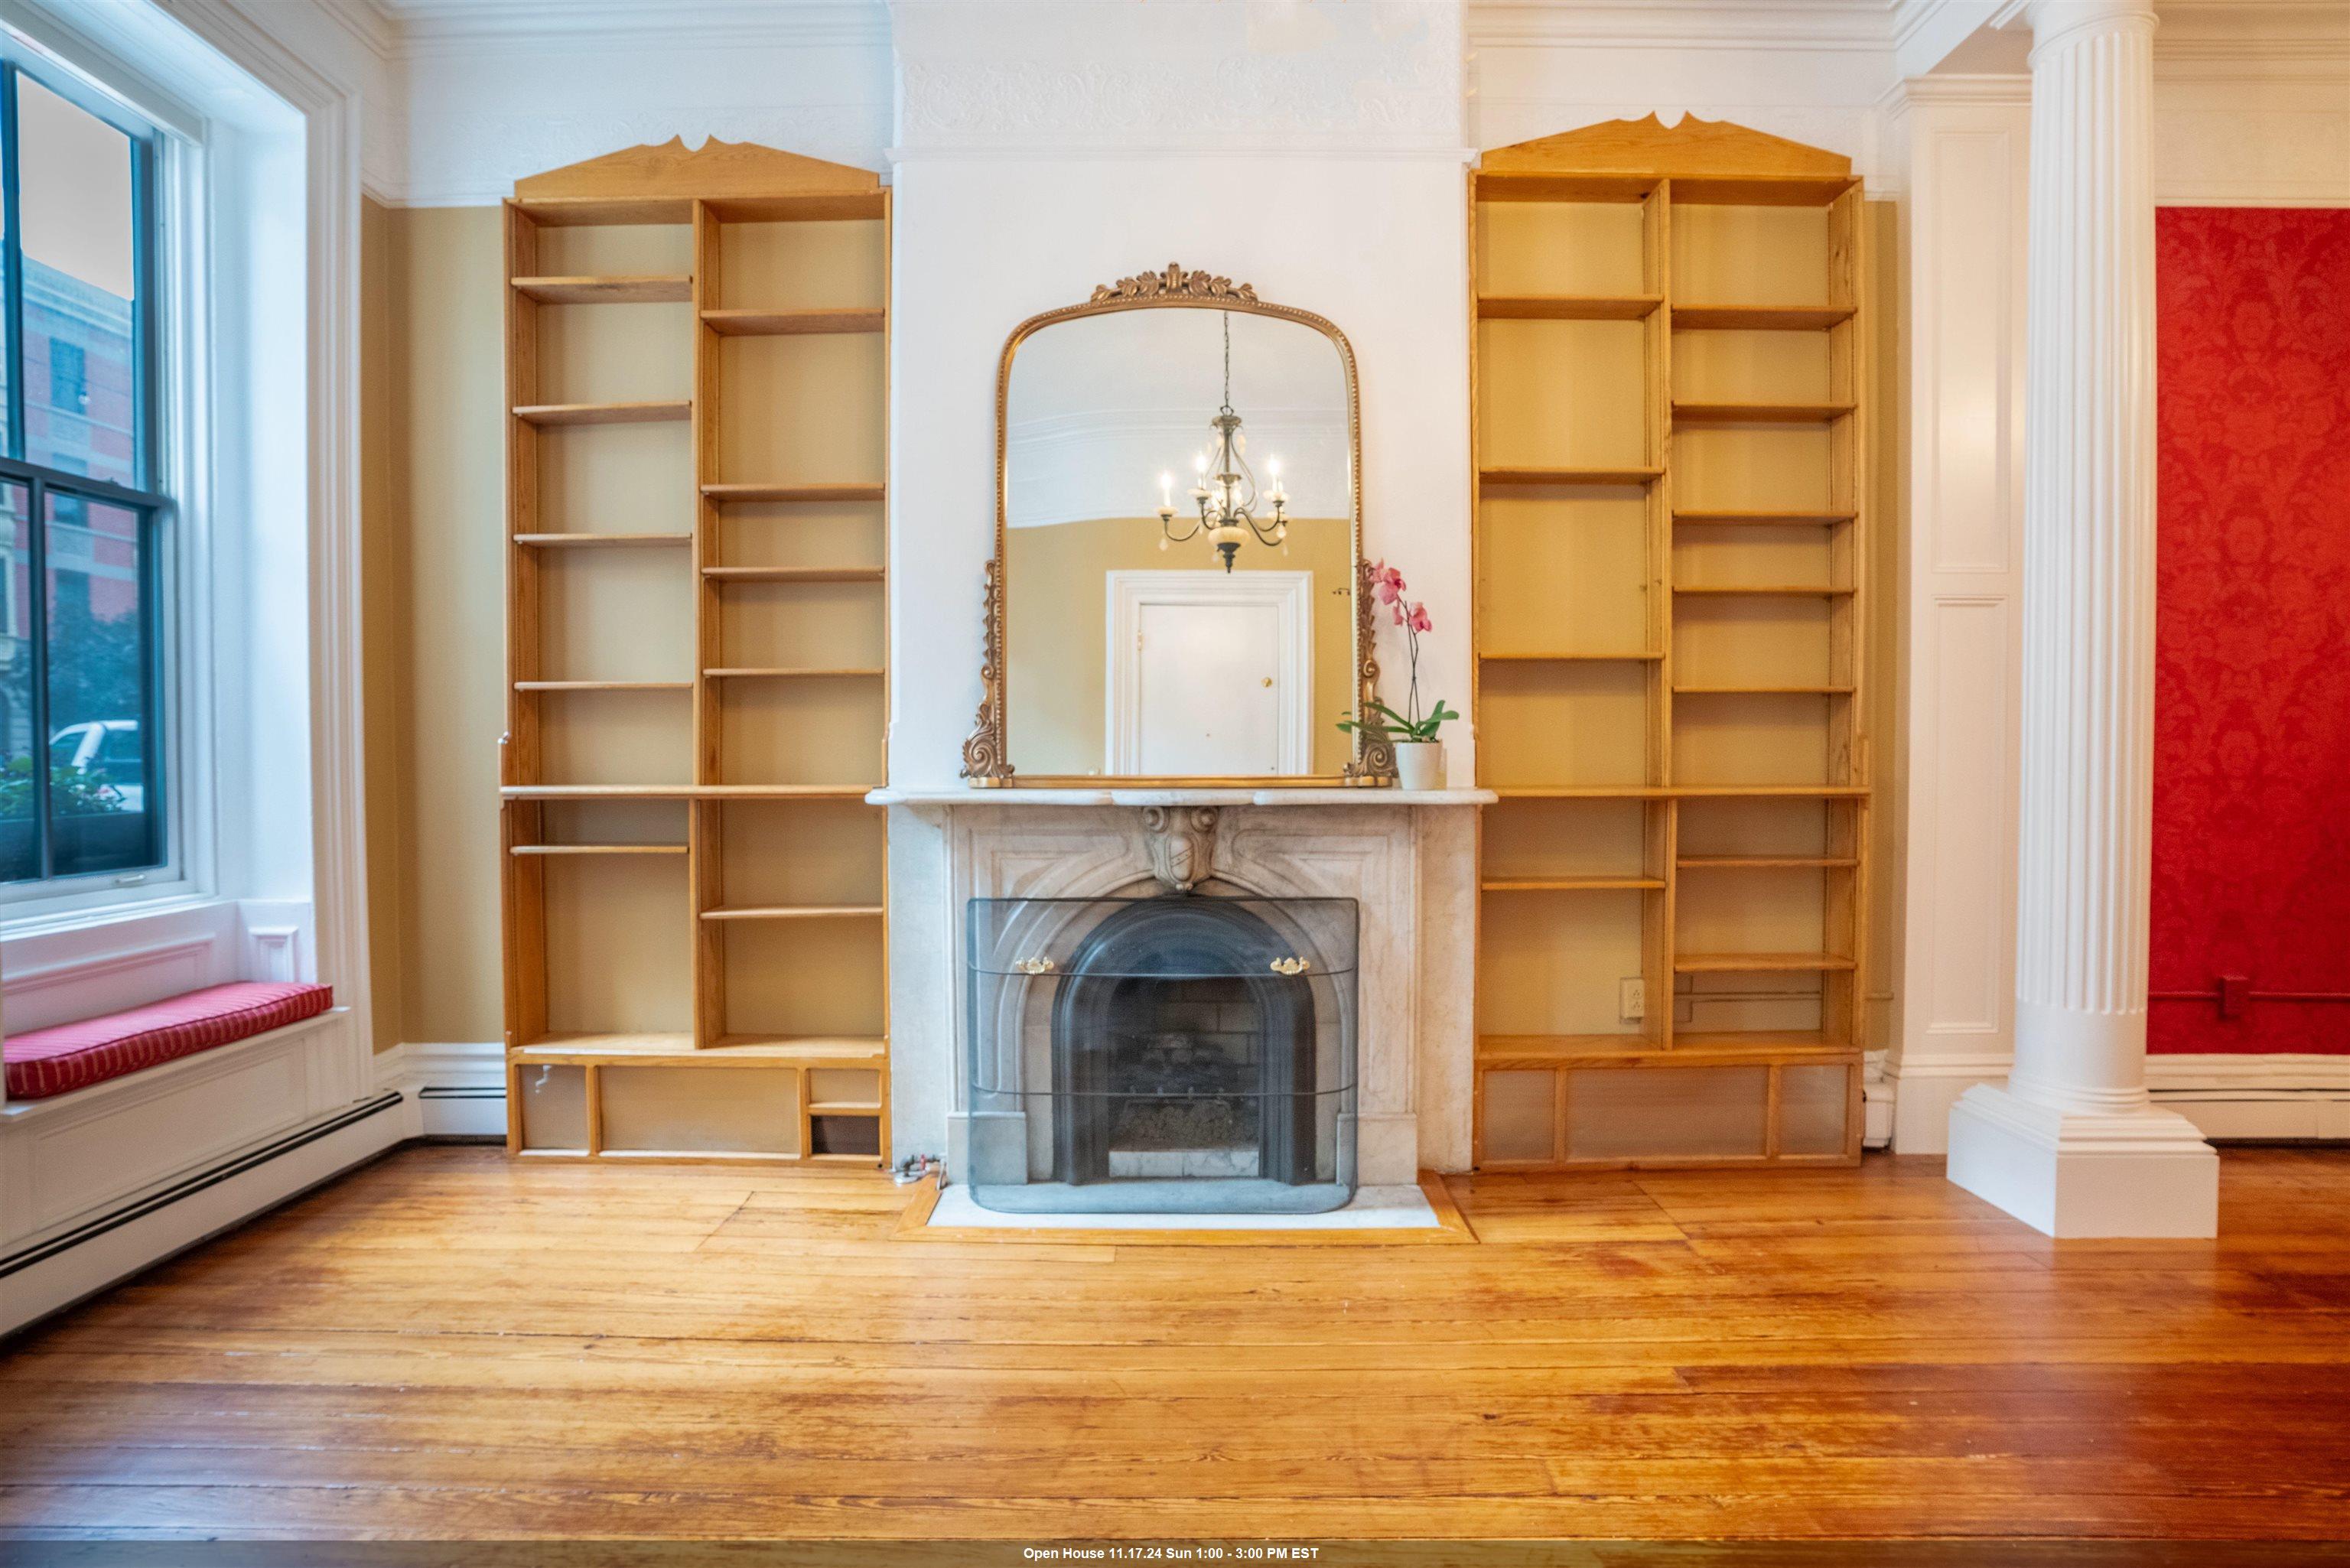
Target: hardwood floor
{"type": "Point", "coordinates": [447, 1344]}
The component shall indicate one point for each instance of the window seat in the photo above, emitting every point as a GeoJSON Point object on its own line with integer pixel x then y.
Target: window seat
{"type": "Point", "coordinates": [69, 1056]}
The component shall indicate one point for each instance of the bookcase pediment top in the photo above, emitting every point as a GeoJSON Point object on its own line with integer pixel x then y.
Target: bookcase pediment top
{"type": "Point", "coordinates": [1694, 147]}
{"type": "Point", "coordinates": [714, 172]}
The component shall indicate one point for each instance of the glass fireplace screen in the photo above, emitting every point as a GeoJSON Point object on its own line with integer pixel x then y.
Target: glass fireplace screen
{"type": "Point", "coordinates": [1179, 1053]}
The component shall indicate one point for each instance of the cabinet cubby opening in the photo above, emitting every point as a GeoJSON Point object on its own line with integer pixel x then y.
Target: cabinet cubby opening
{"type": "Point", "coordinates": [1552, 395]}
{"type": "Point", "coordinates": [1565, 571]}
{"type": "Point", "coordinates": [841, 265]}
{"type": "Point", "coordinates": [1534, 839]}
{"type": "Point", "coordinates": [617, 938]}
{"type": "Point", "coordinates": [1572, 248]}
{"type": "Point", "coordinates": [1566, 723]}
{"type": "Point", "coordinates": [1554, 965]}
{"type": "Point", "coordinates": [800, 533]}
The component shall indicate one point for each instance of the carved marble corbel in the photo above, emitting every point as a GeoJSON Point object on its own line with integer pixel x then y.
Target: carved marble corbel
{"type": "Point", "coordinates": [1181, 842]}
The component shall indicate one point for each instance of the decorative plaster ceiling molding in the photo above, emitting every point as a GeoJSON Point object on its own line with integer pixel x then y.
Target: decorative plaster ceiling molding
{"type": "Point", "coordinates": [456, 26]}
{"type": "Point", "coordinates": [1178, 75]}
{"type": "Point", "coordinates": [1814, 25]}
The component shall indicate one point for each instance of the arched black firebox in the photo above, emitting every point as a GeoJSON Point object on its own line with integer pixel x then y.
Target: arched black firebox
{"type": "Point", "coordinates": [1174, 1040]}
{"type": "Point", "coordinates": [1180, 1053]}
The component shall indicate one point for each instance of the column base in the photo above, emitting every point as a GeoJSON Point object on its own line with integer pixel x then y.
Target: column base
{"type": "Point", "coordinates": [2143, 1173]}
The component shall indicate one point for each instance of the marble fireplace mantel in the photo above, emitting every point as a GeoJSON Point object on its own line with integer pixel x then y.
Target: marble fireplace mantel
{"type": "Point", "coordinates": [1407, 857]}
{"type": "Point", "coordinates": [1140, 795]}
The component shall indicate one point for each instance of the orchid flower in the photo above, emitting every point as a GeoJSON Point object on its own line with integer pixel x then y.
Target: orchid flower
{"type": "Point", "coordinates": [1387, 586]}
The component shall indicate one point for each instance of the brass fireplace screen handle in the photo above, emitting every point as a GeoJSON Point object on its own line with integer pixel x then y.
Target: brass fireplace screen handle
{"type": "Point", "coordinates": [1045, 966]}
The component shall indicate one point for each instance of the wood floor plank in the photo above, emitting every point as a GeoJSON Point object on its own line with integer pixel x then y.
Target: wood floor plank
{"type": "Point", "coordinates": [449, 1344]}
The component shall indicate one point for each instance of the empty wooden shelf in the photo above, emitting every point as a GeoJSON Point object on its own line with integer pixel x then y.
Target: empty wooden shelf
{"type": "Point", "coordinates": [797, 913]}
{"type": "Point", "coordinates": [790, 323]}
{"type": "Point", "coordinates": [794, 574]}
{"type": "Point", "coordinates": [635, 290]}
{"type": "Point", "coordinates": [1497, 478]}
{"type": "Point", "coordinates": [1759, 413]}
{"type": "Point", "coordinates": [636, 413]}
{"type": "Point", "coordinates": [1760, 317]}
{"type": "Point", "coordinates": [715, 492]}
{"type": "Point", "coordinates": [598, 541]}
{"type": "Point", "coordinates": [1567, 307]}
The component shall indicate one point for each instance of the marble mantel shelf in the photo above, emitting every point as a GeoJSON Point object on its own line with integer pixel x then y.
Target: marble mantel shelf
{"type": "Point", "coordinates": [1144, 797]}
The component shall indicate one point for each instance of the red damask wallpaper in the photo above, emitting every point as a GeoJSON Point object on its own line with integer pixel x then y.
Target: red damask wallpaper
{"type": "Point", "coordinates": [2251, 768]}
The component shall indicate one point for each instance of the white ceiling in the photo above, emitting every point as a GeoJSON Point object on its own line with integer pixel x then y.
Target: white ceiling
{"type": "Point", "coordinates": [2192, 25]}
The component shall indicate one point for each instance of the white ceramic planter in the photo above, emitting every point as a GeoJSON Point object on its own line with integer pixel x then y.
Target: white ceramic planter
{"type": "Point", "coordinates": [1420, 764]}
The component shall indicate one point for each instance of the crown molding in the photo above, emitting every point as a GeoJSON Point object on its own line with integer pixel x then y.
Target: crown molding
{"type": "Point", "coordinates": [368, 22]}
{"type": "Point", "coordinates": [456, 26]}
{"type": "Point", "coordinates": [1818, 26]}
{"type": "Point", "coordinates": [1981, 91]}
{"type": "Point", "coordinates": [2275, 30]}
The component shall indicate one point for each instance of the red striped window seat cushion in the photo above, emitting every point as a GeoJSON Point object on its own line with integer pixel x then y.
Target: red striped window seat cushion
{"type": "Point", "coordinates": [69, 1056]}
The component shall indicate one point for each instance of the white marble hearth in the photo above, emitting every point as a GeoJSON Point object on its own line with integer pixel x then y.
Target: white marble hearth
{"type": "Point", "coordinates": [1407, 858]}
{"type": "Point", "coordinates": [1373, 1209]}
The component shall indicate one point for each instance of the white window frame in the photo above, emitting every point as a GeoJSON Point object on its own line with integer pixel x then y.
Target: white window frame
{"type": "Point", "coordinates": [178, 251]}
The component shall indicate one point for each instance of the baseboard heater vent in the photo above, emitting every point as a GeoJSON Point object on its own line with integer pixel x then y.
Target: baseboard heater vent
{"type": "Point", "coordinates": [188, 1186]}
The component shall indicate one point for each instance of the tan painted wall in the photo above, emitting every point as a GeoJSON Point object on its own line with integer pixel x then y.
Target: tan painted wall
{"type": "Point", "coordinates": [1055, 636]}
{"type": "Point", "coordinates": [436, 618]}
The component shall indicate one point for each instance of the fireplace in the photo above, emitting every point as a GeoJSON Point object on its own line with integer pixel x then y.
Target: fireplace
{"type": "Point", "coordinates": [1183, 1053]}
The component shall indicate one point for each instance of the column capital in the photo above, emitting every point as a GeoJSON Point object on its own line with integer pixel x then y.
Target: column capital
{"type": "Point", "coordinates": [2054, 19]}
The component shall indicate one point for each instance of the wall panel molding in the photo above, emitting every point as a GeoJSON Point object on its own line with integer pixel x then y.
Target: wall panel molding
{"type": "Point", "coordinates": [1964, 239]}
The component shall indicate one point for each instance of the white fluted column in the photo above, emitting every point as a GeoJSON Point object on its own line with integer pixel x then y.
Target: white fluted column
{"type": "Point", "coordinates": [2070, 1144]}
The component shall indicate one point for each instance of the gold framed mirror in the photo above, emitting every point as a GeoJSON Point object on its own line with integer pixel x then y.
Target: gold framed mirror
{"type": "Point", "coordinates": [1178, 595]}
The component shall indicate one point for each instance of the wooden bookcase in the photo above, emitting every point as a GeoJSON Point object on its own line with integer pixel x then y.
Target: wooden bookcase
{"type": "Point", "coordinates": [1667, 372]}
{"type": "Point", "coordinates": [695, 914]}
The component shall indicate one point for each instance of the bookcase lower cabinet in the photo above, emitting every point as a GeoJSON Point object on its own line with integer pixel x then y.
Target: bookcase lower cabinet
{"type": "Point", "coordinates": [1669, 364]}
{"type": "Point", "coordinates": [1543, 1105]}
{"type": "Point", "coordinates": [606, 1102]}
{"type": "Point", "coordinates": [695, 917]}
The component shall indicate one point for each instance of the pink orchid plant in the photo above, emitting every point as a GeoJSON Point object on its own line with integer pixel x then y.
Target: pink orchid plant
{"type": "Point", "coordinates": [1387, 586]}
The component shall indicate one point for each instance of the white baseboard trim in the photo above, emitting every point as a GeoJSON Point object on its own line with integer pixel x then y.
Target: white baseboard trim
{"type": "Point", "coordinates": [2285, 1096]}
{"type": "Point", "coordinates": [46, 1276]}
{"type": "Point", "coordinates": [1922, 1087]}
{"type": "Point", "coordinates": [454, 1089]}
{"type": "Point", "coordinates": [2281, 1096]}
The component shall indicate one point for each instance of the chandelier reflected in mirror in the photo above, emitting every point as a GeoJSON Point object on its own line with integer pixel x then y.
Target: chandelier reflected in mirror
{"type": "Point", "coordinates": [1225, 487]}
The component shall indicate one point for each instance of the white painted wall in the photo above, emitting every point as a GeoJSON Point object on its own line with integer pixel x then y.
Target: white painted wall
{"type": "Point", "coordinates": [1078, 178]}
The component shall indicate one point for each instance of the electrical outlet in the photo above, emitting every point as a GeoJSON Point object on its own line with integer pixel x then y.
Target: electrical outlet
{"type": "Point", "coordinates": [1633, 1000]}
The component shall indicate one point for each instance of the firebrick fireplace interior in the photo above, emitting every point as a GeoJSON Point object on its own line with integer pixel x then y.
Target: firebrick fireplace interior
{"type": "Point", "coordinates": [1177, 1053]}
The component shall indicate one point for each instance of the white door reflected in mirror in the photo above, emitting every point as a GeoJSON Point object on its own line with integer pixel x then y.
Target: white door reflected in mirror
{"type": "Point", "coordinates": [1210, 675]}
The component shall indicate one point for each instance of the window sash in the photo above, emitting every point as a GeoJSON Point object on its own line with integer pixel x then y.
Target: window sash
{"type": "Point", "coordinates": [152, 508]}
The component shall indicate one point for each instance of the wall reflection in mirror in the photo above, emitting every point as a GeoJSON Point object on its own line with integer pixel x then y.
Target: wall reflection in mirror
{"type": "Point", "coordinates": [1179, 547]}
